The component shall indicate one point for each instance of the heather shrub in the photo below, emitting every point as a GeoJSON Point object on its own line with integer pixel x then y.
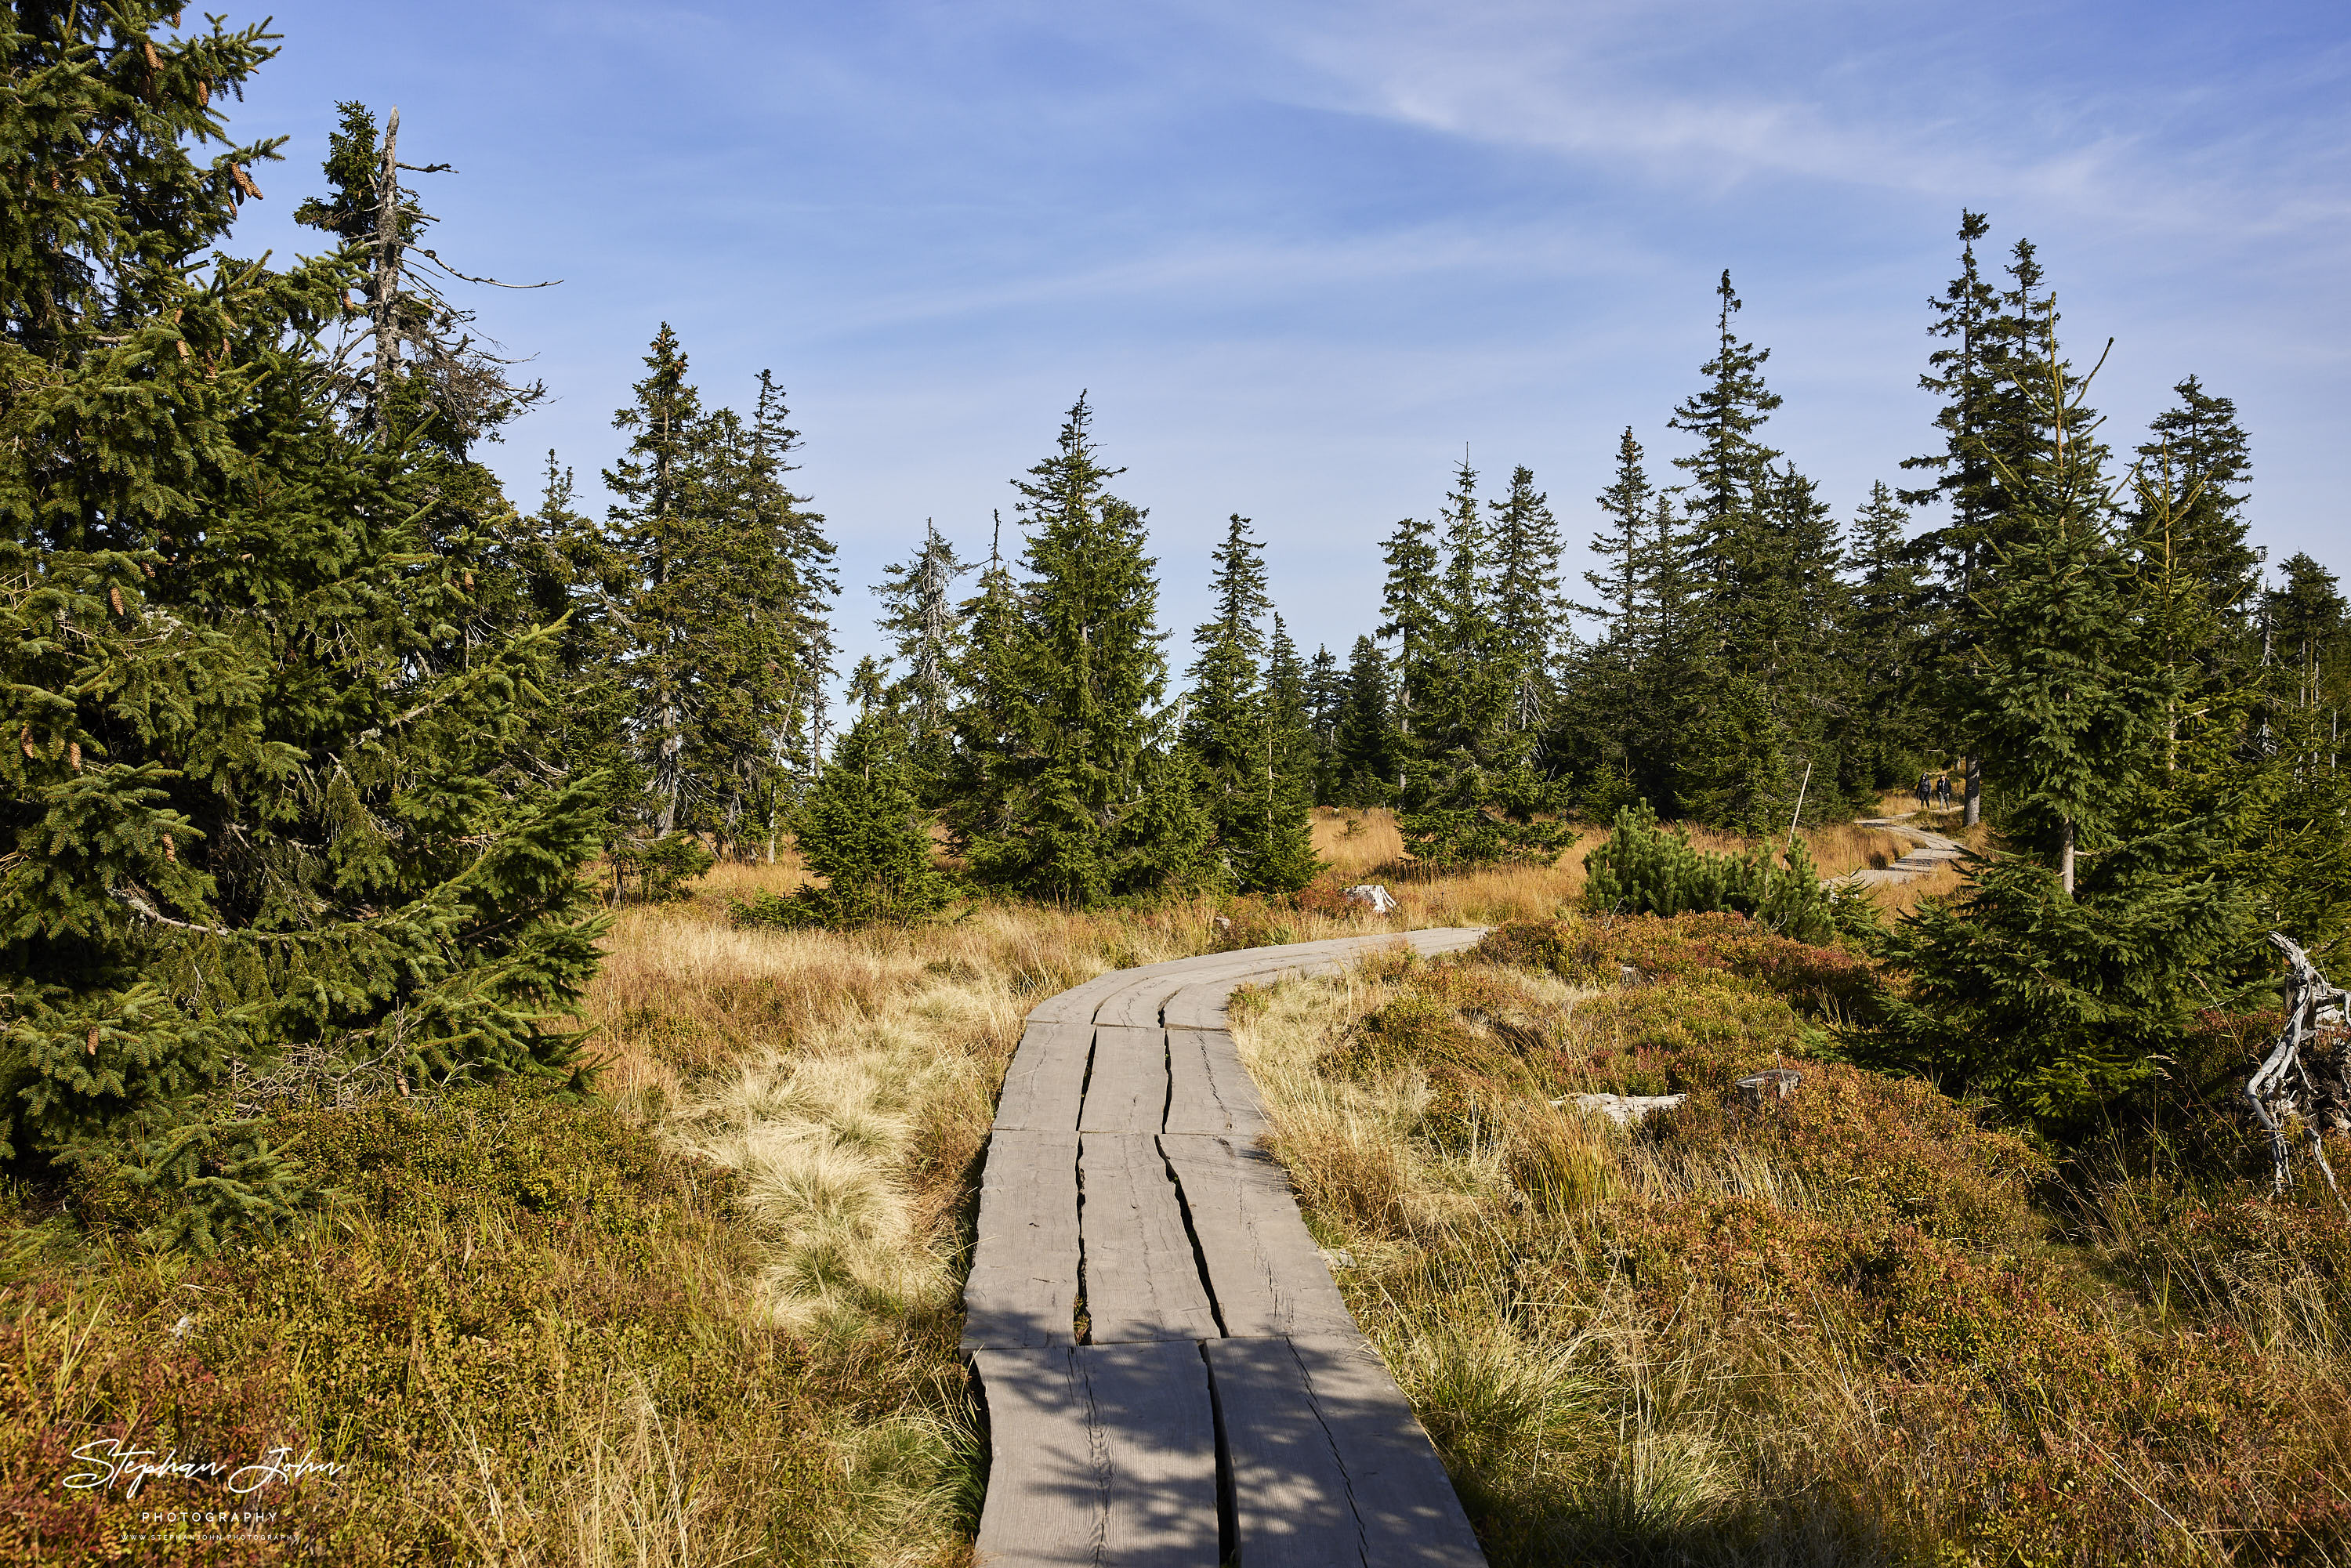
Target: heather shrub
{"type": "Point", "coordinates": [1598, 951]}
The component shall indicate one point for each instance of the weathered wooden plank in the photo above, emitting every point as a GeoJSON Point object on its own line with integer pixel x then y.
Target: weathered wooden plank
{"type": "Point", "coordinates": [1127, 1091]}
{"type": "Point", "coordinates": [1290, 1496]}
{"type": "Point", "coordinates": [1201, 1005]}
{"type": "Point", "coordinates": [1077, 1004]}
{"type": "Point", "coordinates": [1142, 1280]}
{"type": "Point", "coordinates": [1045, 1084]}
{"type": "Point", "coordinates": [1156, 1431]}
{"type": "Point", "coordinates": [1023, 1287]}
{"type": "Point", "coordinates": [1264, 1274]}
{"type": "Point", "coordinates": [1403, 1499]}
{"type": "Point", "coordinates": [1138, 1005]}
{"type": "Point", "coordinates": [1208, 1088]}
{"type": "Point", "coordinates": [1046, 1487]}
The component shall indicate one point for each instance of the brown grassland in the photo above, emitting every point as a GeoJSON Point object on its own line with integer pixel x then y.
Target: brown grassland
{"type": "Point", "coordinates": [707, 1314]}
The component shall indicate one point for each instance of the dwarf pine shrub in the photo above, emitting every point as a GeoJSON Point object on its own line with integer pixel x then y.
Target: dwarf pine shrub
{"type": "Point", "coordinates": [1643, 868]}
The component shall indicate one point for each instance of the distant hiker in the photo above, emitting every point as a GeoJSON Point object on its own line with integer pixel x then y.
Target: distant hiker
{"type": "Point", "coordinates": [1924, 795]}
{"type": "Point", "coordinates": [1943, 790]}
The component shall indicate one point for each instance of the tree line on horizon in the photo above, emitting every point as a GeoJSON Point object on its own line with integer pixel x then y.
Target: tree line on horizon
{"type": "Point", "coordinates": [311, 732]}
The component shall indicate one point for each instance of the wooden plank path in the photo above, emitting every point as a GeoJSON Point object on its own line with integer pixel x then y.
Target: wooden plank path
{"type": "Point", "coordinates": [1171, 1375]}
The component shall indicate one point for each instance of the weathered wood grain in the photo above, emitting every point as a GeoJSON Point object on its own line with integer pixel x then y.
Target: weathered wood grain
{"type": "Point", "coordinates": [1107, 1453]}
{"type": "Point", "coordinates": [1265, 1273]}
{"type": "Point", "coordinates": [1141, 1281]}
{"type": "Point", "coordinates": [1127, 1090]}
{"type": "Point", "coordinates": [1044, 1086]}
{"type": "Point", "coordinates": [1047, 1499]}
{"type": "Point", "coordinates": [1208, 1088]}
{"type": "Point", "coordinates": [1293, 1507]}
{"type": "Point", "coordinates": [1403, 1499]}
{"type": "Point", "coordinates": [1156, 1431]}
{"type": "Point", "coordinates": [1023, 1287]}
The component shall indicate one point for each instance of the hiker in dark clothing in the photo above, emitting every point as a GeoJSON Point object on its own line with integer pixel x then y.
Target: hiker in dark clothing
{"type": "Point", "coordinates": [1943, 792]}
{"type": "Point", "coordinates": [1923, 795]}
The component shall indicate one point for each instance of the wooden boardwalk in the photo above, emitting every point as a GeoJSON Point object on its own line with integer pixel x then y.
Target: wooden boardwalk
{"type": "Point", "coordinates": [1172, 1379]}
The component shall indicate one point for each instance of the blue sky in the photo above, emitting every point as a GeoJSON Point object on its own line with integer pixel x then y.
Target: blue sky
{"type": "Point", "coordinates": [1300, 253]}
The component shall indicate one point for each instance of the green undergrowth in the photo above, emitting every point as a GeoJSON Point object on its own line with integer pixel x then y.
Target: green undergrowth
{"type": "Point", "coordinates": [526, 1326]}
{"type": "Point", "coordinates": [1860, 1325]}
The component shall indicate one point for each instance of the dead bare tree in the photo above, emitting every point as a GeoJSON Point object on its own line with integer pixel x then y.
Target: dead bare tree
{"type": "Point", "coordinates": [2307, 1073]}
{"type": "Point", "coordinates": [407, 331]}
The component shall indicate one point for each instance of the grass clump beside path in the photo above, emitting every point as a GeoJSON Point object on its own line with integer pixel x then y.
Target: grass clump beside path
{"type": "Point", "coordinates": [1856, 1326]}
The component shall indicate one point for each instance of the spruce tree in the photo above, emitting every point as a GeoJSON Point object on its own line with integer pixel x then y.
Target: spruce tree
{"type": "Point", "coordinates": [1409, 600]}
{"type": "Point", "coordinates": [2069, 965]}
{"type": "Point", "coordinates": [1762, 578]}
{"type": "Point", "coordinates": [1282, 848]}
{"type": "Point", "coordinates": [262, 790]}
{"type": "Point", "coordinates": [1529, 611]}
{"type": "Point", "coordinates": [1363, 759]}
{"type": "Point", "coordinates": [658, 520]}
{"type": "Point", "coordinates": [982, 773]}
{"type": "Point", "coordinates": [862, 830]}
{"type": "Point", "coordinates": [728, 613]}
{"type": "Point", "coordinates": [926, 627]}
{"type": "Point", "coordinates": [1887, 604]}
{"type": "Point", "coordinates": [1471, 791]}
{"type": "Point", "coordinates": [1081, 672]}
{"type": "Point", "coordinates": [1326, 689]}
{"type": "Point", "coordinates": [1225, 723]}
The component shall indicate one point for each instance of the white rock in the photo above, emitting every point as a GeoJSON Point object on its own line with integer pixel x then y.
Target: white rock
{"type": "Point", "coordinates": [1378, 899]}
{"type": "Point", "coordinates": [1624, 1110]}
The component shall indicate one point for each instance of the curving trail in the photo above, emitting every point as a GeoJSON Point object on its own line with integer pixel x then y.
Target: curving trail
{"type": "Point", "coordinates": [1171, 1376]}
{"type": "Point", "coordinates": [1933, 851]}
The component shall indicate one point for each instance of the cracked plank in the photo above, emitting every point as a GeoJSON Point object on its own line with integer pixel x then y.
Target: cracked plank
{"type": "Point", "coordinates": [1044, 1085]}
{"type": "Point", "coordinates": [1046, 1489]}
{"type": "Point", "coordinates": [1264, 1271]}
{"type": "Point", "coordinates": [1023, 1287]}
{"type": "Point", "coordinates": [1156, 1437]}
{"type": "Point", "coordinates": [1127, 1091]}
{"type": "Point", "coordinates": [1142, 1281]}
{"type": "Point", "coordinates": [1404, 1500]}
{"type": "Point", "coordinates": [1291, 1499]}
{"type": "Point", "coordinates": [1209, 1092]}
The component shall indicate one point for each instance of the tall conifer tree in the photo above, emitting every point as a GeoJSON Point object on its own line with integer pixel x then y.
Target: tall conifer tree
{"type": "Point", "coordinates": [1081, 668]}
{"type": "Point", "coordinates": [263, 789]}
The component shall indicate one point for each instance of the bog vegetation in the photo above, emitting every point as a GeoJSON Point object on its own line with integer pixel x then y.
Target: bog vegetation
{"type": "Point", "coordinates": [474, 1007]}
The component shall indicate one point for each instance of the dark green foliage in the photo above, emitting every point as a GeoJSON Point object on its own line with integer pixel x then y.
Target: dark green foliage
{"type": "Point", "coordinates": [862, 830]}
{"type": "Point", "coordinates": [659, 867]}
{"type": "Point", "coordinates": [2055, 1003]}
{"type": "Point", "coordinates": [270, 777]}
{"type": "Point", "coordinates": [1280, 843]}
{"type": "Point", "coordinates": [1363, 736]}
{"type": "Point", "coordinates": [1643, 869]}
{"type": "Point", "coordinates": [1248, 729]}
{"type": "Point", "coordinates": [2063, 973]}
{"type": "Point", "coordinates": [1061, 674]}
{"type": "Point", "coordinates": [1891, 735]}
{"type": "Point", "coordinates": [727, 611]}
{"type": "Point", "coordinates": [1529, 611]}
{"type": "Point", "coordinates": [1472, 792]}
{"type": "Point", "coordinates": [926, 626]}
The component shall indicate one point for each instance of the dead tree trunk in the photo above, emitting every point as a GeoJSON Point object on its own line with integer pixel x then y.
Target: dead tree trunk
{"type": "Point", "coordinates": [2308, 1071]}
